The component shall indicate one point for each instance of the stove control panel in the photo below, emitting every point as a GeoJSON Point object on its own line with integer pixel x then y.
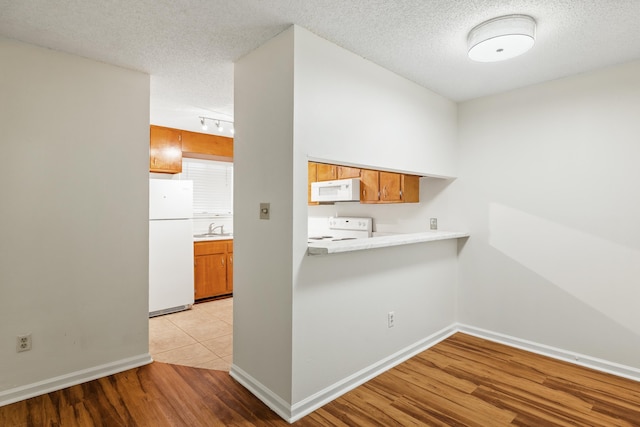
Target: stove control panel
{"type": "Point", "coordinates": [351, 223]}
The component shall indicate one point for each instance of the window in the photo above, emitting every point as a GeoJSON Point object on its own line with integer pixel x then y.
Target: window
{"type": "Point", "coordinates": [212, 186]}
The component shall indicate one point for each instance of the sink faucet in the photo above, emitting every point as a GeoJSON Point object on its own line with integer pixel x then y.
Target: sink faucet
{"type": "Point", "coordinates": [212, 229]}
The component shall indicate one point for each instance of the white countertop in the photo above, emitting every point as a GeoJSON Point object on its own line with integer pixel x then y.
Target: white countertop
{"type": "Point", "coordinates": [210, 238]}
{"type": "Point", "coordinates": [330, 247]}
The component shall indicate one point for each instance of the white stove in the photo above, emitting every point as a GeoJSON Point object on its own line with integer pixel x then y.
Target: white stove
{"type": "Point", "coordinates": [345, 228]}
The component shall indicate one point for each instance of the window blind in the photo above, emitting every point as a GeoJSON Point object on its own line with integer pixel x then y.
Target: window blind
{"type": "Point", "coordinates": [212, 186]}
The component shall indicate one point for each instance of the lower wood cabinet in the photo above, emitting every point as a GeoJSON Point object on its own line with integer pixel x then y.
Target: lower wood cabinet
{"type": "Point", "coordinates": [230, 266]}
{"type": "Point", "coordinates": [213, 268]}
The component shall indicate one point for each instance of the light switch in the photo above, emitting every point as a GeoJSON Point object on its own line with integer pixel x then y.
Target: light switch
{"type": "Point", "coordinates": [265, 208]}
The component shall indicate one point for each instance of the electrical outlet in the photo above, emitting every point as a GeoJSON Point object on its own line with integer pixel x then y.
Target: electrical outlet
{"type": "Point", "coordinates": [23, 343]}
{"type": "Point", "coordinates": [433, 223]}
{"type": "Point", "coordinates": [391, 319]}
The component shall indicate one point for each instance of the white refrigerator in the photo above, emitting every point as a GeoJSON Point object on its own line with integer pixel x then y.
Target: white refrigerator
{"type": "Point", "coordinates": [170, 246]}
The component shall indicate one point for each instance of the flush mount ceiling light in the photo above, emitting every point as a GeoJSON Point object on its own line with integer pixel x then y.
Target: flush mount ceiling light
{"type": "Point", "coordinates": [217, 122]}
{"type": "Point", "coordinates": [501, 38]}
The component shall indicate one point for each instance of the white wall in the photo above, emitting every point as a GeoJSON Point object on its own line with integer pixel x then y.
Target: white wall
{"type": "Point", "coordinates": [549, 181]}
{"type": "Point", "coordinates": [353, 111]}
{"type": "Point", "coordinates": [74, 234]}
{"type": "Point", "coordinates": [304, 324]}
{"type": "Point", "coordinates": [341, 301]}
{"type": "Point", "coordinates": [263, 150]}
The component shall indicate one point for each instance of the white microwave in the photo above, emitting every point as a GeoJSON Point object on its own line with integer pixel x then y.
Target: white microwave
{"type": "Point", "coordinates": [340, 190]}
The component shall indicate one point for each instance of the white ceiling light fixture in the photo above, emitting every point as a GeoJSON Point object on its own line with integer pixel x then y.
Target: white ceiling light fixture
{"type": "Point", "coordinates": [501, 38]}
{"type": "Point", "coordinates": [217, 122]}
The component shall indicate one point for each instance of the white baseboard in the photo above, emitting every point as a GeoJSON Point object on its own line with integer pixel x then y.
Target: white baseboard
{"type": "Point", "coordinates": [311, 403]}
{"type": "Point", "coordinates": [292, 413]}
{"type": "Point", "coordinates": [269, 398]}
{"type": "Point", "coordinates": [73, 378]}
{"type": "Point", "coordinates": [553, 352]}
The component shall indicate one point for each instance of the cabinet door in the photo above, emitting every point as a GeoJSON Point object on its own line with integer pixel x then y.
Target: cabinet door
{"type": "Point", "coordinates": [165, 150]}
{"type": "Point", "coordinates": [410, 188]}
{"type": "Point", "coordinates": [210, 274]}
{"type": "Point", "coordinates": [230, 272]}
{"type": "Point", "coordinates": [369, 185]}
{"type": "Point", "coordinates": [345, 172]}
{"type": "Point", "coordinates": [313, 177]}
{"type": "Point", "coordinates": [390, 187]}
{"type": "Point", "coordinates": [230, 266]}
{"type": "Point", "coordinates": [327, 172]}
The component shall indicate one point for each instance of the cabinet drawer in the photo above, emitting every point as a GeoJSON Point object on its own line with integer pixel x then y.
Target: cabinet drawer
{"type": "Point", "coordinates": [206, 248]}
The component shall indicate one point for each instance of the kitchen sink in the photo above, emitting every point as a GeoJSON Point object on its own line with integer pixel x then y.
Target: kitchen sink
{"type": "Point", "coordinates": [213, 235]}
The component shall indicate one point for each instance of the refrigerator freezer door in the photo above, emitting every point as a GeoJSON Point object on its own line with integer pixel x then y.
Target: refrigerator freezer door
{"type": "Point", "coordinates": [170, 265]}
{"type": "Point", "coordinates": [170, 199]}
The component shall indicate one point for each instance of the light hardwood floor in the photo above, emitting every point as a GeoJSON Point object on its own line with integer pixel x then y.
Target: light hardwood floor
{"type": "Point", "coordinates": [462, 381]}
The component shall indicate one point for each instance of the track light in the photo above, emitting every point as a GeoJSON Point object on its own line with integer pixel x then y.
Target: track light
{"type": "Point", "coordinates": [217, 122]}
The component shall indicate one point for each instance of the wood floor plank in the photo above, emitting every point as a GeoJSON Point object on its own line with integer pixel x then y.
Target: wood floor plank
{"type": "Point", "coordinates": [425, 372]}
{"type": "Point", "coordinates": [451, 394]}
{"type": "Point", "coordinates": [462, 381]}
{"type": "Point", "coordinates": [379, 409]}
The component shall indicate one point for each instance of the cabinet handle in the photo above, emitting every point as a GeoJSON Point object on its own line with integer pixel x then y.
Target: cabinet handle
{"type": "Point", "coordinates": [222, 261]}
{"type": "Point", "coordinates": [230, 259]}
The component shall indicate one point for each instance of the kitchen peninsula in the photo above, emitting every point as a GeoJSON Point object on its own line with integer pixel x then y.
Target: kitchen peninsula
{"type": "Point", "coordinates": [332, 247]}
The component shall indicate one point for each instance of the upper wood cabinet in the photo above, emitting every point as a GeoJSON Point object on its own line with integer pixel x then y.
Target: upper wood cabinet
{"type": "Point", "coordinates": [369, 186]}
{"type": "Point", "coordinates": [312, 170]}
{"type": "Point", "coordinates": [326, 172]}
{"type": "Point", "coordinates": [167, 147]}
{"type": "Point", "coordinates": [198, 144]}
{"type": "Point", "coordinates": [165, 150]}
{"type": "Point", "coordinates": [345, 172]}
{"type": "Point", "coordinates": [388, 187]}
{"type": "Point", "coordinates": [410, 185]}
{"type": "Point", "coordinates": [375, 186]}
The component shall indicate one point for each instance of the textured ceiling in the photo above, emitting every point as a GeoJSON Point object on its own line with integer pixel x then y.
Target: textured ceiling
{"type": "Point", "coordinates": [189, 46]}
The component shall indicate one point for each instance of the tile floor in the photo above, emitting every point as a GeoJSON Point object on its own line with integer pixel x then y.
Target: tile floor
{"type": "Point", "coordinates": [201, 337]}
